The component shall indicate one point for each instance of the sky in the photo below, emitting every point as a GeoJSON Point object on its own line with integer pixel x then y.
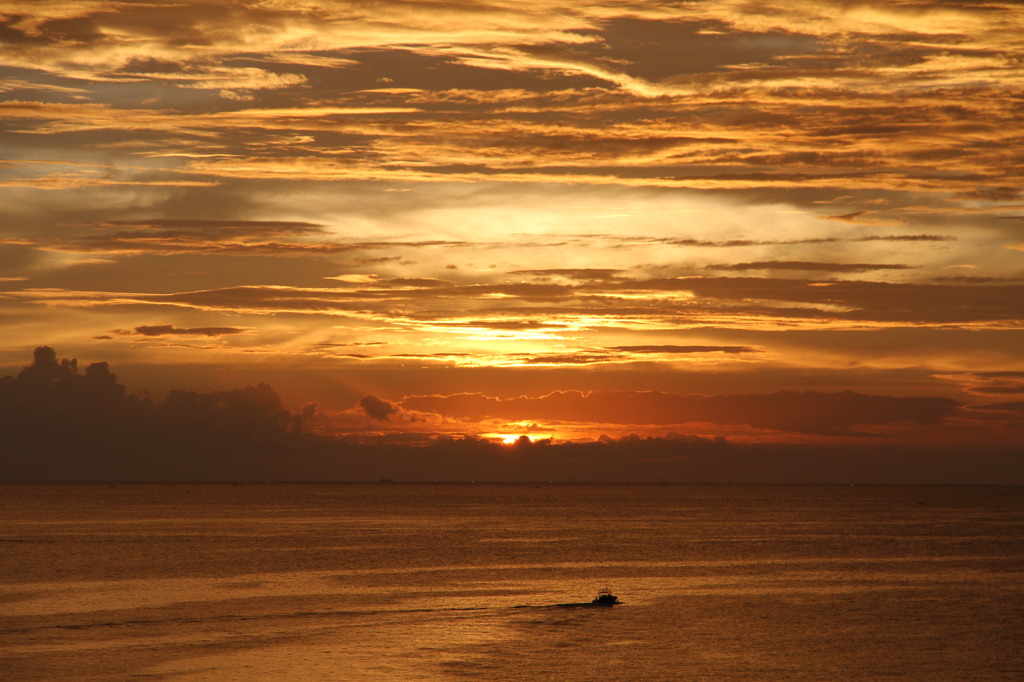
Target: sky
{"type": "Point", "coordinates": [769, 222]}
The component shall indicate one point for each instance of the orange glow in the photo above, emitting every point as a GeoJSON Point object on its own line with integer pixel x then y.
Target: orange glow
{"type": "Point", "coordinates": [663, 220]}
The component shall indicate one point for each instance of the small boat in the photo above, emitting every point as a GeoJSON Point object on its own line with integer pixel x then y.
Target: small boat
{"type": "Point", "coordinates": [605, 598]}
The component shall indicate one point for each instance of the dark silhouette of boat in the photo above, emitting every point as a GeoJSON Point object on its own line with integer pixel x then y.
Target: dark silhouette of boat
{"type": "Point", "coordinates": [603, 598]}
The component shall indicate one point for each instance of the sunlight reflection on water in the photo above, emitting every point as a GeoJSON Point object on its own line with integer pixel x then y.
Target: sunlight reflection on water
{"type": "Point", "coordinates": [787, 584]}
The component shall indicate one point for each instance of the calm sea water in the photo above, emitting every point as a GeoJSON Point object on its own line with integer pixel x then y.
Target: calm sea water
{"type": "Point", "coordinates": [450, 582]}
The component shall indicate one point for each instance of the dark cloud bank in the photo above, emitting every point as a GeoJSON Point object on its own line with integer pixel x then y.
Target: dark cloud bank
{"type": "Point", "coordinates": [844, 413]}
{"type": "Point", "coordinates": [58, 423]}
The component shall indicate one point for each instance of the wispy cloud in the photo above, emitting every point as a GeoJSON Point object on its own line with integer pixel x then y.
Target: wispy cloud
{"type": "Point", "coordinates": [684, 299]}
{"type": "Point", "coordinates": [804, 412]}
{"type": "Point", "coordinates": [808, 266]}
{"type": "Point", "coordinates": [538, 195]}
{"type": "Point", "coordinates": [171, 330]}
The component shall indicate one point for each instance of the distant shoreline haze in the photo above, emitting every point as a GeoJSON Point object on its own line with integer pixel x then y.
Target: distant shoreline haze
{"type": "Point", "coordinates": [62, 423]}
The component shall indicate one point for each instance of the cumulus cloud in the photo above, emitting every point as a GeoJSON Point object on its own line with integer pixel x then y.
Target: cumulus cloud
{"type": "Point", "coordinates": [59, 423]}
{"type": "Point", "coordinates": [535, 186]}
{"type": "Point", "coordinates": [62, 424]}
{"type": "Point", "coordinates": [377, 408]}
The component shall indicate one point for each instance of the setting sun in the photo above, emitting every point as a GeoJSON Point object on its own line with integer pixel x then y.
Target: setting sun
{"type": "Point", "coordinates": [419, 224]}
{"type": "Point", "coordinates": [368, 340]}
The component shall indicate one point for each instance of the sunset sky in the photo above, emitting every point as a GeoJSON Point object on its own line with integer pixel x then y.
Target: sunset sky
{"type": "Point", "coordinates": [505, 217]}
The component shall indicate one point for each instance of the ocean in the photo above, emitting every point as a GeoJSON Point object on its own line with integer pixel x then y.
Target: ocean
{"type": "Point", "coordinates": [403, 581]}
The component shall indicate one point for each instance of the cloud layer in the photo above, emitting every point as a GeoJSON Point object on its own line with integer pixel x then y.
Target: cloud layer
{"type": "Point", "coordinates": [62, 424]}
{"type": "Point", "coordinates": [815, 205]}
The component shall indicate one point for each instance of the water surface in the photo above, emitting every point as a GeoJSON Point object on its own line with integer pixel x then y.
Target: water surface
{"type": "Point", "coordinates": [459, 581]}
